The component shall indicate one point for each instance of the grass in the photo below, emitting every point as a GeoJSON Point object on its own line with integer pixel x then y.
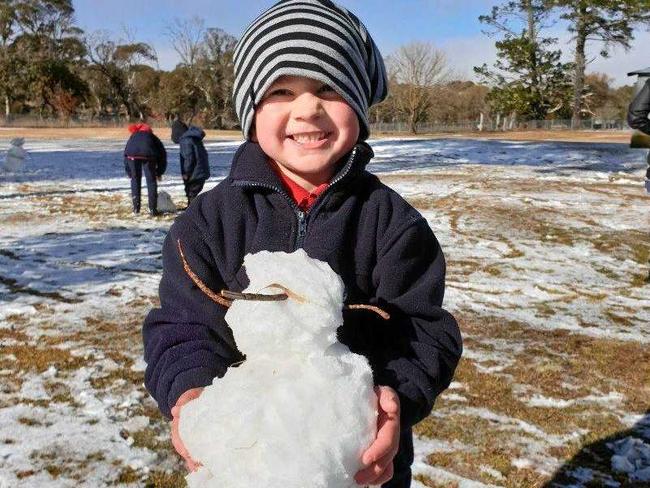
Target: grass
{"type": "Point", "coordinates": [488, 431]}
{"type": "Point", "coordinates": [553, 364]}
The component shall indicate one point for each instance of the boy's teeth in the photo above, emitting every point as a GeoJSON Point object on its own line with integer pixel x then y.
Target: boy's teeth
{"type": "Point", "coordinates": [312, 137]}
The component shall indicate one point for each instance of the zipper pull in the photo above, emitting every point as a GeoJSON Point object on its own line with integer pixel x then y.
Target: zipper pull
{"type": "Point", "coordinates": [302, 228]}
{"type": "Point", "coordinates": [302, 225]}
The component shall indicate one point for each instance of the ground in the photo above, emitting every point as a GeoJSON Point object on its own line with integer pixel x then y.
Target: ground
{"type": "Point", "coordinates": [594, 136]}
{"type": "Point", "coordinates": [547, 262]}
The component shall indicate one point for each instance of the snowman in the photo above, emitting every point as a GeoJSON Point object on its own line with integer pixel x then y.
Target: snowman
{"type": "Point", "coordinates": [301, 409]}
{"type": "Point", "coordinates": [16, 155]}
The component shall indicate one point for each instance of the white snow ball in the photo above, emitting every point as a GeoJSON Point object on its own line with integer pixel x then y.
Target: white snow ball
{"type": "Point", "coordinates": [301, 409]}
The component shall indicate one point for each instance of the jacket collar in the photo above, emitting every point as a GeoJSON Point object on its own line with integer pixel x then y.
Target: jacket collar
{"type": "Point", "coordinates": [250, 166]}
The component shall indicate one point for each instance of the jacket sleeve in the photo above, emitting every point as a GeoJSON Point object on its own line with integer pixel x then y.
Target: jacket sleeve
{"type": "Point", "coordinates": [187, 342]}
{"type": "Point", "coordinates": [417, 350]}
{"type": "Point", "coordinates": [127, 168]}
{"type": "Point", "coordinates": [161, 164]}
{"type": "Point", "coordinates": [637, 115]}
{"type": "Point", "coordinates": [189, 156]}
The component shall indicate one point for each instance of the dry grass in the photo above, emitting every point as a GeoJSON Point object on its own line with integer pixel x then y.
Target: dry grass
{"type": "Point", "coordinates": [553, 364]}
{"type": "Point", "coordinates": [85, 133]}
{"type": "Point", "coordinates": [511, 362]}
{"type": "Point", "coordinates": [524, 135]}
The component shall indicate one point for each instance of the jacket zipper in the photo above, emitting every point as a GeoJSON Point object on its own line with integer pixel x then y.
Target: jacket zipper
{"type": "Point", "coordinates": [302, 217]}
{"type": "Point", "coordinates": [319, 201]}
{"type": "Point", "coordinates": [302, 229]}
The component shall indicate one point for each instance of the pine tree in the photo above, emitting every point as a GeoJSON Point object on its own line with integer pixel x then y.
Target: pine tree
{"type": "Point", "coordinates": [610, 22]}
{"type": "Point", "coordinates": [528, 77]}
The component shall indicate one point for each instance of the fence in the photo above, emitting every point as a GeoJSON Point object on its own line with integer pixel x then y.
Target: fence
{"type": "Point", "coordinates": [32, 121]}
{"type": "Point", "coordinates": [499, 125]}
{"type": "Point", "coordinates": [378, 127]}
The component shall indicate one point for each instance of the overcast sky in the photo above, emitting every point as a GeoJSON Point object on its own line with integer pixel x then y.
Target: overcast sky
{"type": "Point", "coordinates": [452, 25]}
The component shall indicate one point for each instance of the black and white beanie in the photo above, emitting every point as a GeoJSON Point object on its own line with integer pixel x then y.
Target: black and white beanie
{"type": "Point", "coordinates": [312, 38]}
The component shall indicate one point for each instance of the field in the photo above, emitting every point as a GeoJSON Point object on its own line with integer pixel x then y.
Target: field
{"type": "Point", "coordinates": [547, 252]}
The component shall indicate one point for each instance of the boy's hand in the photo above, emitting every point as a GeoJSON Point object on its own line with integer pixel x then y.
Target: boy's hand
{"type": "Point", "coordinates": [378, 458]}
{"type": "Point", "coordinates": [186, 397]}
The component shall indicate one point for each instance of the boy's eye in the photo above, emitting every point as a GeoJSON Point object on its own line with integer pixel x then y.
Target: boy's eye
{"type": "Point", "coordinates": [279, 92]}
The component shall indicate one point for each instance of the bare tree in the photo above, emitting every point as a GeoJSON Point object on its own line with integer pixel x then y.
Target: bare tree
{"type": "Point", "coordinates": [187, 38]}
{"type": "Point", "coordinates": [120, 65]}
{"type": "Point", "coordinates": [416, 68]}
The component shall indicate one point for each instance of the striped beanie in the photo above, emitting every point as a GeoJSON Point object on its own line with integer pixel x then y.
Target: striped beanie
{"type": "Point", "coordinates": [312, 38]}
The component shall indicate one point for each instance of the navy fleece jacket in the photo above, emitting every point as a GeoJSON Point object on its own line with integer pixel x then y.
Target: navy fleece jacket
{"type": "Point", "coordinates": [194, 157]}
{"type": "Point", "coordinates": [382, 248]}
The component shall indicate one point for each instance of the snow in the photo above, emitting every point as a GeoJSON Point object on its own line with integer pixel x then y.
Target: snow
{"type": "Point", "coordinates": [301, 406]}
{"type": "Point", "coordinates": [61, 268]}
{"type": "Point", "coordinates": [632, 456]}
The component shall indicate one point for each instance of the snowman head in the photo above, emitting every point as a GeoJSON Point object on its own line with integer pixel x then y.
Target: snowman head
{"type": "Point", "coordinates": [306, 321]}
{"type": "Point", "coordinates": [293, 304]}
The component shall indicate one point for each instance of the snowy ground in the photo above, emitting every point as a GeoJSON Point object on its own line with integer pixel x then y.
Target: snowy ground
{"type": "Point", "coordinates": [547, 247]}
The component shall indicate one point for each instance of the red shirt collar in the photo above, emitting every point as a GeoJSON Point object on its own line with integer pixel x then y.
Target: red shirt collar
{"type": "Point", "coordinates": [303, 198]}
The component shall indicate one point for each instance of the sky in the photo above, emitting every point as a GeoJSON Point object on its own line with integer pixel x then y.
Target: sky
{"type": "Point", "coordinates": [451, 25]}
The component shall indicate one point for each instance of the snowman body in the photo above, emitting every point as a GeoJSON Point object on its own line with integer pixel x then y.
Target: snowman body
{"type": "Point", "coordinates": [301, 409]}
{"type": "Point", "coordinates": [15, 158]}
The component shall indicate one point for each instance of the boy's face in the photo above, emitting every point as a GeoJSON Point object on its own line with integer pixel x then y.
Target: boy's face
{"type": "Point", "coordinates": [305, 127]}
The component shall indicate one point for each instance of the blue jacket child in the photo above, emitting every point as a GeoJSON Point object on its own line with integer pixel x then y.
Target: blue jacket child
{"type": "Point", "coordinates": [195, 168]}
{"type": "Point", "coordinates": [303, 105]}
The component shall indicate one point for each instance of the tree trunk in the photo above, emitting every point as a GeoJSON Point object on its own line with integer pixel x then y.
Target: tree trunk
{"type": "Point", "coordinates": [579, 75]}
{"type": "Point", "coordinates": [413, 125]}
{"type": "Point", "coordinates": [7, 107]}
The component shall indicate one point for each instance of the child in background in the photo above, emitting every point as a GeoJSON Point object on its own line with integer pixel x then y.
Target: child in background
{"type": "Point", "coordinates": [305, 75]}
{"type": "Point", "coordinates": [637, 118]}
{"type": "Point", "coordinates": [195, 168]}
{"type": "Point", "coordinates": [16, 155]}
{"type": "Point", "coordinates": [144, 151]}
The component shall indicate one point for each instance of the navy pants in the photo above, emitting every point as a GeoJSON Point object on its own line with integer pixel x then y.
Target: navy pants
{"type": "Point", "coordinates": [192, 189]}
{"type": "Point", "coordinates": [136, 167]}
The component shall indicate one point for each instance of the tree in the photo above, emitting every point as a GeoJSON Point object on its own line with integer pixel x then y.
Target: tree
{"type": "Point", "coordinates": [121, 64]}
{"type": "Point", "coordinates": [609, 22]}
{"type": "Point", "coordinates": [416, 69]}
{"type": "Point", "coordinates": [216, 78]}
{"type": "Point", "coordinates": [10, 64]}
{"type": "Point", "coordinates": [528, 78]}
{"type": "Point", "coordinates": [207, 61]}
{"type": "Point", "coordinates": [458, 101]}
{"type": "Point", "coordinates": [44, 49]}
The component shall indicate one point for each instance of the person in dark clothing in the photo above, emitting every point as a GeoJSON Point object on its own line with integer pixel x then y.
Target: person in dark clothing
{"type": "Point", "coordinates": [195, 168]}
{"type": "Point", "coordinates": [637, 118]}
{"type": "Point", "coordinates": [300, 181]}
{"type": "Point", "coordinates": [637, 115]}
{"type": "Point", "coordinates": [144, 153]}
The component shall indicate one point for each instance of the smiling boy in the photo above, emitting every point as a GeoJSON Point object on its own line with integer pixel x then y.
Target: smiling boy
{"type": "Point", "coordinates": [306, 73]}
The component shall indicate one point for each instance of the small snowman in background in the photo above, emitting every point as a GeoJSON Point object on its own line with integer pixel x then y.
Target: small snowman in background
{"type": "Point", "coordinates": [16, 155]}
{"type": "Point", "coordinates": [301, 409]}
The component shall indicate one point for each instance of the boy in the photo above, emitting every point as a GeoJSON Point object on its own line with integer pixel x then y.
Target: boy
{"type": "Point", "coordinates": [195, 168]}
{"type": "Point", "coordinates": [306, 73]}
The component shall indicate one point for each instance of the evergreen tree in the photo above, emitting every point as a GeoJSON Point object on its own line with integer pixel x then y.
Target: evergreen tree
{"type": "Point", "coordinates": [610, 22]}
{"type": "Point", "coordinates": [528, 77]}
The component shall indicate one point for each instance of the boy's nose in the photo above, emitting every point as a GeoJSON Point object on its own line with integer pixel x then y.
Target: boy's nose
{"type": "Point", "coordinates": [307, 106]}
